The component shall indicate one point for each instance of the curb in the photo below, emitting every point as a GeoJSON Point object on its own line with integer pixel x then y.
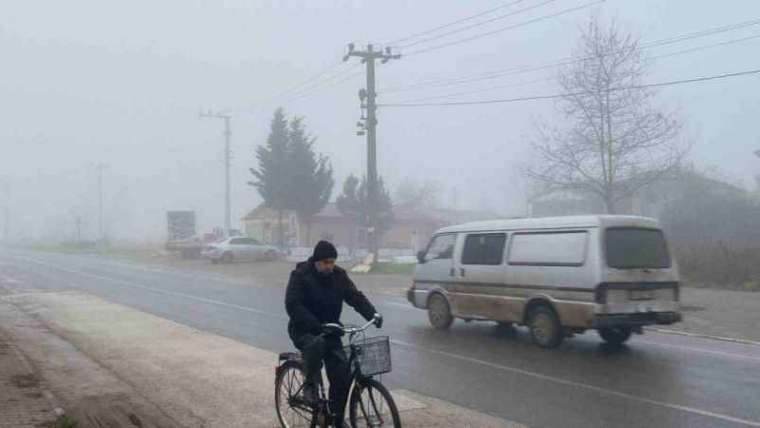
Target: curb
{"type": "Point", "coordinates": [704, 336]}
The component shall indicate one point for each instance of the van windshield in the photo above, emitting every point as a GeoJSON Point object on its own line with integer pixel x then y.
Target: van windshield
{"type": "Point", "coordinates": [635, 248]}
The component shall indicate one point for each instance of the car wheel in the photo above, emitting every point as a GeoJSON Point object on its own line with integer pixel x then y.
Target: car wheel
{"type": "Point", "coordinates": [271, 255]}
{"type": "Point", "coordinates": [545, 328]}
{"type": "Point", "coordinates": [227, 258]}
{"type": "Point", "coordinates": [214, 261]}
{"type": "Point", "coordinates": [615, 335]}
{"type": "Point", "coordinates": [439, 312]}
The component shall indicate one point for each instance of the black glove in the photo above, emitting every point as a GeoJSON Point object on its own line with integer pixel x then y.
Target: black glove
{"type": "Point", "coordinates": [378, 321]}
{"type": "Point", "coordinates": [333, 330]}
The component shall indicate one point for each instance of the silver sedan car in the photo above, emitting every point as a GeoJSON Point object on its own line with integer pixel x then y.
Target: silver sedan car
{"type": "Point", "coordinates": [239, 249]}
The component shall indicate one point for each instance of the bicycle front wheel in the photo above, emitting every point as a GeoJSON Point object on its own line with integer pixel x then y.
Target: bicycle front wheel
{"type": "Point", "coordinates": [292, 410]}
{"type": "Point", "coordinates": [373, 406]}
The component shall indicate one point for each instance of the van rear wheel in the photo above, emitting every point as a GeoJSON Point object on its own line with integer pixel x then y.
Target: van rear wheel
{"type": "Point", "coordinates": [439, 312]}
{"type": "Point", "coordinates": [615, 335]}
{"type": "Point", "coordinates": [545, 328]}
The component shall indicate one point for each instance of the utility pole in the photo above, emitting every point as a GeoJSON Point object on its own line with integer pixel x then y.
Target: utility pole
{"type": "Point", "coordinates": [99, 169]}
{"type": "Point", "coordinates": [7, 209]}
{"type": "Point", "coordinates": [757, 177]}
{"type": "Point", "coordinates": [227, 135]}
{"type": "Point", "coordinates": [78, 225]}
{"type": "Point", "coordinates": [368, 57]}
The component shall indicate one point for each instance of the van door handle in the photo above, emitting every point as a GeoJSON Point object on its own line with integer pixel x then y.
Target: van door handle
{"type": "Point", "coordinates": [461, 272]}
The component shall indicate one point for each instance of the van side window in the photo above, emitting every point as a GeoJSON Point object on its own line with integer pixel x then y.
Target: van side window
{"type": "Point", "coordinates": [548, 248]}
{"type": "Point", "coordinates": [484, 249]}
{"type": "Point", "coordinates": [441, 247]}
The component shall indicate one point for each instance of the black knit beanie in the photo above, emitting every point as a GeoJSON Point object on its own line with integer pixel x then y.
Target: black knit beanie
{"type": "Point", "coordinates": [324, 250]}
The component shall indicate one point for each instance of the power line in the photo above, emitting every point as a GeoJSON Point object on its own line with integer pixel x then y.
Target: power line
{"type": "Point", "coordinates": [567, 60]}
{"type": "Point", "coordinates": [332, 81]}
{"type": "Point", "coordinates": [702, 33]}
{"type": "Point", "coordinates": [458, 21]}
{"type": "Point", "coordinates": [477, 24]}
{"type": "Point", "coordinates": [546, 79]}
{"type": "Point", "coordinates": [311, 79]}
{"type": "Point", "coordinates": [703, 47]}
{"type": "Point", "coordinates": [491, 88]}
{"type": "Point", "coordinates": [499, 30]}
{"type": "Point", "coordinates": [568, 94]}
{"type": "Point", "coordinates": [327, 75]}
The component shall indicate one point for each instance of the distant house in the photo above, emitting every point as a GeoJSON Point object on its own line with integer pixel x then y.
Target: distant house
{"type": "Point", "coordinates": [411, 227]}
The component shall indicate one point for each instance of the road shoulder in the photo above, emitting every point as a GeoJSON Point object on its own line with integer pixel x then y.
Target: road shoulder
{"type": "Point", "coordinates": [165, 373]}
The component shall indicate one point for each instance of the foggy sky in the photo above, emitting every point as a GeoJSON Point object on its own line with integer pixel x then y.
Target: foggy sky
{"type": "Point", "coordinates": [122, 83]}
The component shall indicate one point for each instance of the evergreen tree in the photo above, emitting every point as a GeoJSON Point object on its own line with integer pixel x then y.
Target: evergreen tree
{"type": "Point", "coordinates": [354, 204]}
{"type": "Point", "coordinates": [311, 175]}
{"type": "Point", "coordinates": [350, 206]}
{"type": "Point", "coordinates": [271, 179]}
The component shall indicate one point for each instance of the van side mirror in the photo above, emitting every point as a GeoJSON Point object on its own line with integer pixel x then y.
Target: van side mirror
{"type": "Point", "coordinates": [420, 257]}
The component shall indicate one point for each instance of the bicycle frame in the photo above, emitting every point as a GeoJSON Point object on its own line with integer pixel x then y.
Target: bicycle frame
{"type": "Point", "coordinates": [356, 374]}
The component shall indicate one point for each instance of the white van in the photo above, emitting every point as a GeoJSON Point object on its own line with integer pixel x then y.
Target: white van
{"type": "Point", "coordinates": [557, 275]}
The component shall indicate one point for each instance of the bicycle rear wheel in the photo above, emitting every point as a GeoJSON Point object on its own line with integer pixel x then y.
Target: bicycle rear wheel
{"type": "Point", "coordinates": [292, 410]}
{"type": "Point", "coordinates": [373, 406]}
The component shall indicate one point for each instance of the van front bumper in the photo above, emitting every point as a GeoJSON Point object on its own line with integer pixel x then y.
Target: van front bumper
{"type": "Point", "coordinates": [636, 319]}
{"type": "Point", "coordinates": [418, 298]}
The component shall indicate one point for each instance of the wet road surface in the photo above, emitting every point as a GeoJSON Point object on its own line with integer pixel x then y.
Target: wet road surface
{"type": "Point", "coordinates": [657, 380]}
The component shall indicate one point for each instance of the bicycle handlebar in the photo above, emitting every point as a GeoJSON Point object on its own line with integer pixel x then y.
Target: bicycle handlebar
{"type": "Point", "coordinates": [351, 330]}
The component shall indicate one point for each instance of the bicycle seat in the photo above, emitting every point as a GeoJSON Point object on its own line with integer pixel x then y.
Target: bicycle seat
{"type": "Point", "coordinates": [287, 356]}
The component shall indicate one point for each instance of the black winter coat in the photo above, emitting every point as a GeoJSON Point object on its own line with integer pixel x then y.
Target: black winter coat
{"type": "Point", "coordinates": [312, 300]}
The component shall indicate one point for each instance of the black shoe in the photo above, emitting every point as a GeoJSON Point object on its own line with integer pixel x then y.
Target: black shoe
{"type": "Point", "coordinates": [310, 394]}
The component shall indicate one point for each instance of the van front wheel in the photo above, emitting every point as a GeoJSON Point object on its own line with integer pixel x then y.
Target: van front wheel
{"type": "Point", "coordinates": [615, 335]}
{"type": "Point", "coordinates": [439, 312]}
{"type": "Point", "coordinates": [545, 328]}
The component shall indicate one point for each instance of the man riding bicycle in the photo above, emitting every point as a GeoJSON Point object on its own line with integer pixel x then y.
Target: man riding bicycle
{"type": "Point", "coordinates": [315, 295]}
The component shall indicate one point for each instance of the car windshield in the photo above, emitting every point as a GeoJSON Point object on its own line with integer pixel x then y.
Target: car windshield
{"type": "Point", "coordinates": [630, 248]}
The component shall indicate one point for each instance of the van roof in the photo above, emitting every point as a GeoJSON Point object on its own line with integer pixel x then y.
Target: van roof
{"type": "Point", "coordinates": [554, 223]}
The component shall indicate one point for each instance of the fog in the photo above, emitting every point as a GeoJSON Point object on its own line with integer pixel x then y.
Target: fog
{"type": "Point", "coordinates": [84, 83]}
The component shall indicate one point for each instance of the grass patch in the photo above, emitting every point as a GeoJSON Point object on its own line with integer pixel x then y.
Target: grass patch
{"type": "Point", "coordinates": [65, 422]}
{"type": "Point", "coordinates": [395, 268]}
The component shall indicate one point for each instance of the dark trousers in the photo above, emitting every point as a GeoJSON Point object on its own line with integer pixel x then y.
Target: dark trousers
{"type": "Point", "coordinates": [316, 349]}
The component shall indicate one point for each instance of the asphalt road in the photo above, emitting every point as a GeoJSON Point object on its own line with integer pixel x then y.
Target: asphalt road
{"type": "Point", "coordinates": [658, 380]}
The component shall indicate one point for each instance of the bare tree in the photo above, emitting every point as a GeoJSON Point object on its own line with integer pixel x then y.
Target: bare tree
{"type": "Point", "coordinates": [423, 194]}
{"type": "Point", "coordinates": [615, 141]}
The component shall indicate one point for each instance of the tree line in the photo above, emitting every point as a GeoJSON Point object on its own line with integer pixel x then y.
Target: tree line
{"type": "Point", "coordinates": [291, 175]}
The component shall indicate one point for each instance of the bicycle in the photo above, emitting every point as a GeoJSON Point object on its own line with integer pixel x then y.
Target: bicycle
{"type": "Point", "coordinates": [370, 403]}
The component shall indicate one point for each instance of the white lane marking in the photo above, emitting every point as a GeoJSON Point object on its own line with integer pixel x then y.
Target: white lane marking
{"type": "Point", "coordinates": [8, 280]}
{"type": "Point", "coordinates": [703, 336]}
{"type": "Point", "coordinates": [400, 305]}
{"type": "Point", "coordinates": [159, 290]}
{"type": "Point", "coordinates": [581, 385]}
{"type": "Point", "coordinates": [529, 373]}
{"type": "Point", "coordinates": [701, 350]}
